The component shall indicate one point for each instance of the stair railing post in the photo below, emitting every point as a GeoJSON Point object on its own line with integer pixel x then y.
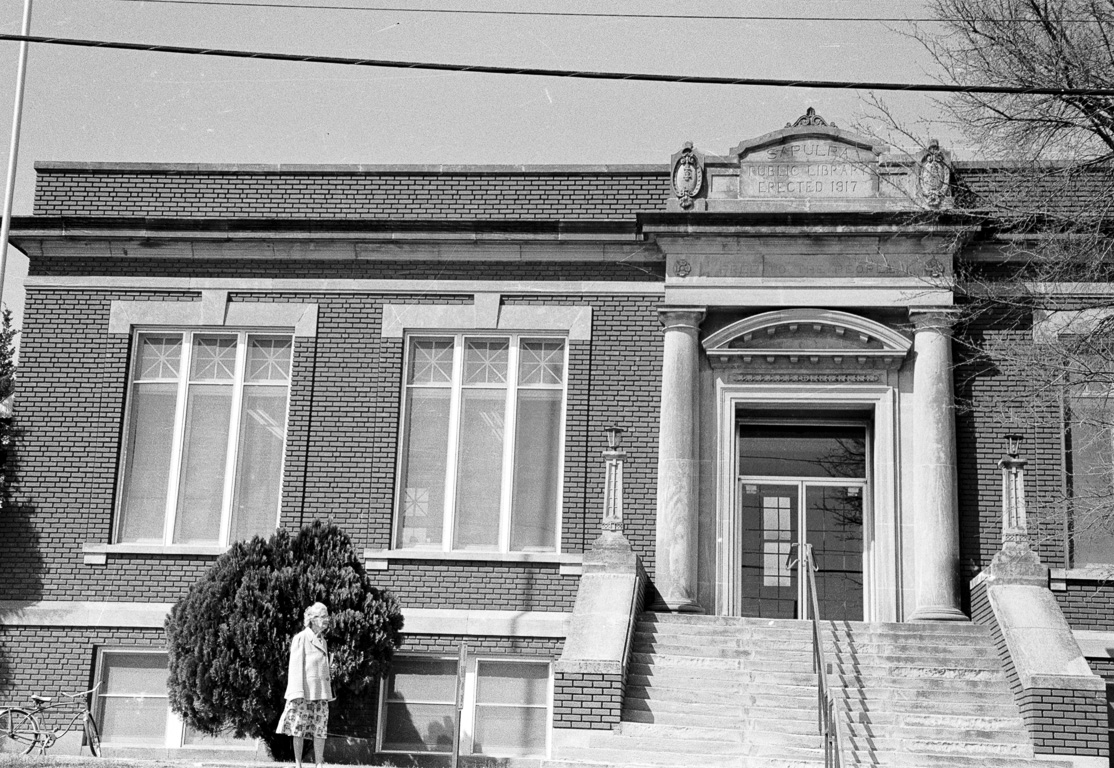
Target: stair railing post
{"type": "Point", "coordinates": [828, 722]}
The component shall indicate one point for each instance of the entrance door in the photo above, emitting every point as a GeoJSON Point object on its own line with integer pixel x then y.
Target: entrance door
{"type": "Point", "coordinates": [802, 484]}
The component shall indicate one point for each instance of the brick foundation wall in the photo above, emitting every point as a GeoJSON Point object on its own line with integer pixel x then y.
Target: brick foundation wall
{"type": "Point", "coordinates": [1058, 721]}
{"type": "Point", "coordinates": [587, 701]}
{"type": "Point", "coordinates": [1088, 604]}
{"type": "Point", "coordinates": [594, 700]}
{"type": "Point", "coordinates": [1066, 722]}
{"type": "Point", "coordinates": [49, 660]}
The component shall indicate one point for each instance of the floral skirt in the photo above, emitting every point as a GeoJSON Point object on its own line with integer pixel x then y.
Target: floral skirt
{"type": "Point", "coordinates": [304, 718]}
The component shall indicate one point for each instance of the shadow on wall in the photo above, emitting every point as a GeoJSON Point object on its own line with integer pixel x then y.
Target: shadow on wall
{"type": "Point", "coordinates": [428, 732]}
{"type": "Point", "coordinates": [21, 561]}
{"type": "Point", "coordinates": [974, 367]}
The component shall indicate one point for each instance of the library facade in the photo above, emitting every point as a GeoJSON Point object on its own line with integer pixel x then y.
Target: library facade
{"type": "Point", "coordinates": [622, 432]}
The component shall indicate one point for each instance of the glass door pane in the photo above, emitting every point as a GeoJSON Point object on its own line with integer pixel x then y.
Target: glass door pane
{"type": "Point", "coordinates": [769, 521]}
{"type": "Point", "coordinates": [834, 528]}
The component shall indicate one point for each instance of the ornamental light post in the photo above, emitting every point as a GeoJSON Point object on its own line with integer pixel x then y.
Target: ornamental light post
{"type": "Point", "coordinates": [1015, 528]}
{"type": "Point", "coordinates": [613, 481]}
{"type": "Point", "coordinates": [1016, 562]}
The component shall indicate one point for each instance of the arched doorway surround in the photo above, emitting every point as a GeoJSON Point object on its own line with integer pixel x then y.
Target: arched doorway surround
{"type": "Point", "coordinates": [802, 367]}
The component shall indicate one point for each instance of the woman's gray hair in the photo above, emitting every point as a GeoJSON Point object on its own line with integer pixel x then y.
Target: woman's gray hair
{"type": "Point", "coordinates": [315, 610]}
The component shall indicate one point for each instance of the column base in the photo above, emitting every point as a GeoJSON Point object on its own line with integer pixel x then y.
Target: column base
{"type": "Point", "coordinates": [663, 605]}
{"type": "Point", "coordinates": [938, 613]}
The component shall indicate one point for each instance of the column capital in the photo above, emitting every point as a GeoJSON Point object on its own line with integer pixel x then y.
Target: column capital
{"type": "Point", "coordinates": [934, 318]}
{"type": "Point", "coordinates": [681, 317]}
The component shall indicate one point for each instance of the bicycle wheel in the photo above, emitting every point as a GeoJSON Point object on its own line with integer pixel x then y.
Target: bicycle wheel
{"type": "Point", "coordinates": [92, 736]}
{"type": "Point", "coordinates": [19, 731]}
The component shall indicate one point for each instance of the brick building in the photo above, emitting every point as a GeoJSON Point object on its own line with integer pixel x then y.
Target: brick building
{"type": "Point", "coordinates": [429, 355]}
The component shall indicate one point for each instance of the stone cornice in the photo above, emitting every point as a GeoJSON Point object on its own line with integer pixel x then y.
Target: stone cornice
{"type": "Point", "coordinates": [144, 227]}
{"type": "Point", "coordinates": [934, 318]}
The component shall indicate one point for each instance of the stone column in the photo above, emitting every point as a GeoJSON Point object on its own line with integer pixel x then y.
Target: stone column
{"type": "Point", "coordinates": [678, 476]}
{"type": "Point", "coordinates": [935, 542]}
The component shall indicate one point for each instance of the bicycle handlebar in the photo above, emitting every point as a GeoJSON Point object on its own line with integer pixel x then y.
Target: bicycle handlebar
{"type": "Point", "coordinates": [83, 693]}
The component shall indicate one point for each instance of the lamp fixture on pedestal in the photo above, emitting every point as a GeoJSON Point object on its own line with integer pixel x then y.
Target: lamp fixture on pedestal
{"type": "Point", "coordinates": [1016, 562]}
{"type": "Point", "coordinates": [613, 482]}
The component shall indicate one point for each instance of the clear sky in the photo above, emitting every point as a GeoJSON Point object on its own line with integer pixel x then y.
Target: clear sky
{"type": "Point", "coordinates": [100, 105]}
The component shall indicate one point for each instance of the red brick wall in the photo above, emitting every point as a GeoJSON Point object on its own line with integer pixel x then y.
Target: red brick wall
{"type": "Point", "coordinates": [1088, 604]}
{"type": "Point", "coordinates": [363, 269]}
{"type": "Point", "coordinates": [984, 384]}
{"type": "Point", "coordinates": [594, 193]}
{"type": "Point", "coordinates": [48, 660]}
{"type": "Point", "coordinates": [341, 448]}
{"type": "Point", "coordinates": [479, 585]}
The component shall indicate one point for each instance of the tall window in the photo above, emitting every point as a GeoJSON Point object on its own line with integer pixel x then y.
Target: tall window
{"type": "Point", "coordinates": [206, 435]}
{"type": "Point", "coordinates": [482, 437]}
{"type": "Point", "coordinates": [1090, 440]}
{"type": "Point", "coordinates": [505, 713]}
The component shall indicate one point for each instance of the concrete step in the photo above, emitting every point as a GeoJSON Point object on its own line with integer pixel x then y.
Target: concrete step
{"type": "Point", "coordinates": [720, 677]}
{"type": "Point", "coordinates": [942, 714]}
{"type": "Point", "coordinates": [740, 729]}
{"type": "Point", "coordinates": [810, 760]}
{"type": "Point", "coordinates": [680, 622]}
{"type": "Point", "coordinates": [744, 648]}
{"type": "Point", "coordinates": [881, 732]}
{"type": "Point", "coordinates": [625, 757]}
{"type": "Point", "coordinates": [771, 736]}
{"type": "Point", "coordinates": [719, 692]}
{"type": "Point", "coordinates": [724, 658]}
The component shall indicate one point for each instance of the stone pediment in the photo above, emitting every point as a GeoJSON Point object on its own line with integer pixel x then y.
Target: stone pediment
{"type": "Point", "coordinates": [807, 339]}
{"type": "Point", "coordinates": [808, 165]}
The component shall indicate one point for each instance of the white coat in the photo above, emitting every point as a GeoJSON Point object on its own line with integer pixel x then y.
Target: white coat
{"type": "Point", "coordinates": [309, 676]}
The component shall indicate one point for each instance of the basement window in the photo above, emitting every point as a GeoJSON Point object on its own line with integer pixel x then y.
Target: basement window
{"type": "Point", "coordinates": [507, 706]}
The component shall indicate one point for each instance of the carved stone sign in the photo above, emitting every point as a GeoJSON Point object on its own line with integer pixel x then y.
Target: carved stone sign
{"type": "Point", "coordinates": [808, 167]}
{"type": "Point", "coordinates": [809, 164]}
{"type": "Point", "coordinates": [808, 159]}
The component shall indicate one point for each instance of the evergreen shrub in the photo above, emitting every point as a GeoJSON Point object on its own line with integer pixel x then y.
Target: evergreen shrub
{"type": "Point", "coordinates": [228, 639]}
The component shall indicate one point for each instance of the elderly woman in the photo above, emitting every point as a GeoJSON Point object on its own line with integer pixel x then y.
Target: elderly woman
{"type": "Point", "coordinates": [308, 686]}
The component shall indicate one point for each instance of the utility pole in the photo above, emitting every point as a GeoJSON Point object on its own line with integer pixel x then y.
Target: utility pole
{"type": "Point", "coordinates": [13, 151]}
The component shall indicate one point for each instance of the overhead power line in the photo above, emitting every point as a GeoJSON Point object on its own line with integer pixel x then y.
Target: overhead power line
{"type": "Point", "coordinates": [563, 73]}
{"type": "Point", "coordinates": [588, 14]}
{"type": "Point", "coordinates": [551, 14]}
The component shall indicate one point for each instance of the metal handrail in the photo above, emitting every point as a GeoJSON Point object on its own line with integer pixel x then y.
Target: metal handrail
{"type": "Point", "coordinates": [830, 725]}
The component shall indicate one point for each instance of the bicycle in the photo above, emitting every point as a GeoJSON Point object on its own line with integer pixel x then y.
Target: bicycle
{"type": "Point", "coordinates": [21, 730]}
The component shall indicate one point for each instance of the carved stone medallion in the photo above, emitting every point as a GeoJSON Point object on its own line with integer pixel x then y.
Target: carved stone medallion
{"type": "Point", "coordinates": [688, 174]}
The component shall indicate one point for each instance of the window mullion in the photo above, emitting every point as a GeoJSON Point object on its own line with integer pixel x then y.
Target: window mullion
{"type": "Point", "coordinates": [176, 447]}
{"type": "Point", "coordinates": [452, 459]}
{"type": "Point", "coordinates": [232, 447]}
{"type": "Point", "coordinates": [559, 512]}
{"type": "Point", "coordinates": [509, 434]}
{"type": "Point", "coordinates": [468, 710]}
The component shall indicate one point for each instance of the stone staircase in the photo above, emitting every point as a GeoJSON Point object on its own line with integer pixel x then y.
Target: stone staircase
{"type": "Point", "coordinates": [722, 692]}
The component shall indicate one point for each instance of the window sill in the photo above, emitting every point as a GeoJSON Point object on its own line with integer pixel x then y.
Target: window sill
{"type": "Point", "coordinates": [97, 554]}
{"type": "Point", "coordinates": [1059, 577]}
{"type": "Point", "coordinates": [571, 564]}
